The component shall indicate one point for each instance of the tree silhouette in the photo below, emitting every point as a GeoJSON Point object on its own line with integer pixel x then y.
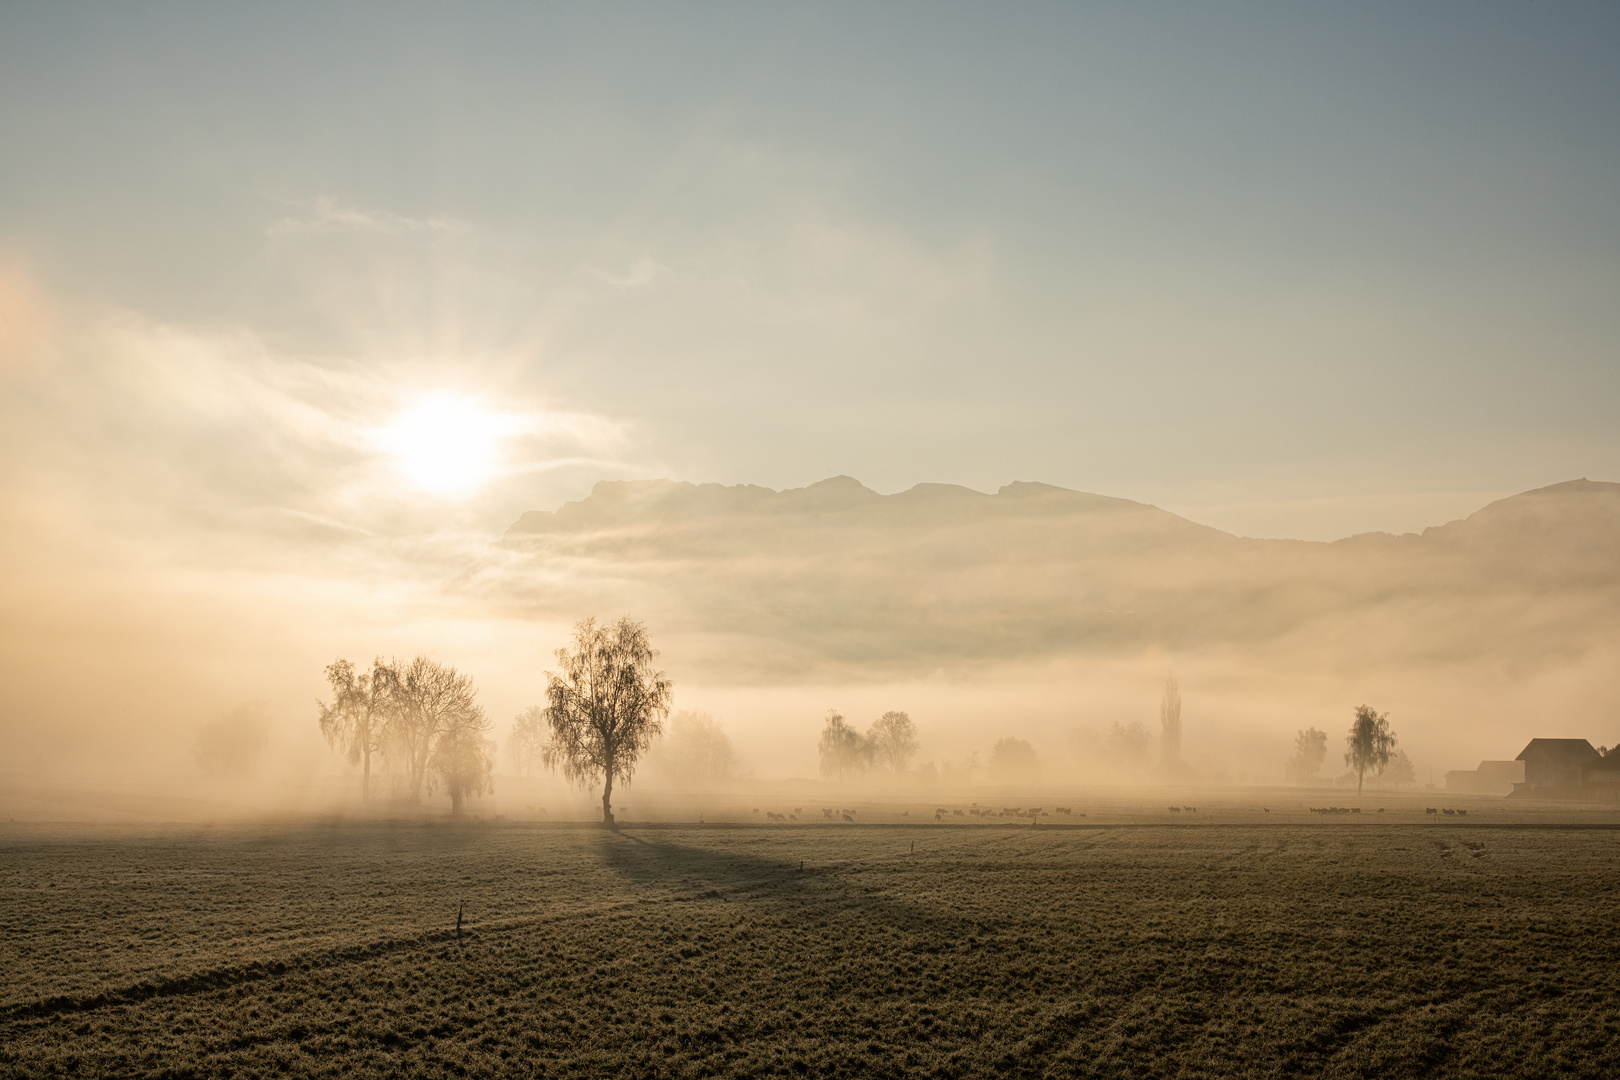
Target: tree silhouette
{"type": "Point", "coordinates": [893, 738]}
{"type": "Point", "coordinates": [1369, 744]}
{"type": "Point", "coordinates": [357, 719]}
{"type": "Point", "coordinates": [605, 705]}
{"type": "Point", "coordinates": [1310, 750]}
{"type": "Point", "coordinates": [428, 699]}
{"type": "Point", "coordinates": [696, 748]}
{"type": "Point", "coordinates": [464, 757]}
{"type": "Point", "coordinates": [526, 741]}
{"type": "Point", "coordinates": [843, 750]}
{"type": "Point", "coordinates": [1013, 759]}
{"type": "Point", "coordinates": [1170, 723]}
{"type": "Point", "coordinates": [1130, 744]}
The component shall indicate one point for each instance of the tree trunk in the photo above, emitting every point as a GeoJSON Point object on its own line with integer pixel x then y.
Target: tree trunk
{"type": "Point", "coordinates": [607, 798]}
{"type": "Point", "coordinates": [365, 775]}
{"type": "Point", "coordinates": [1360, 772]}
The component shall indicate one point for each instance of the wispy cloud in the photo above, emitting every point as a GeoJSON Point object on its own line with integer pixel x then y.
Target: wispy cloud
{"type": "Point", "coordinates": [327, 215]}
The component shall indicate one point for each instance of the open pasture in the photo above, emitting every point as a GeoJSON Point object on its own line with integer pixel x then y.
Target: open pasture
{"type": "Point", "coordinates": [1368, 947]}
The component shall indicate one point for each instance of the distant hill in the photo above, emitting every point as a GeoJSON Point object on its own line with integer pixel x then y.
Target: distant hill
{"type": "Point", "coordinates": [835, 574]}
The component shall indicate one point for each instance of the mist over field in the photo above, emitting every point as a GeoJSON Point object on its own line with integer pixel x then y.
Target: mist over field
{"type": "Point", "coordinates": [1034, 613]}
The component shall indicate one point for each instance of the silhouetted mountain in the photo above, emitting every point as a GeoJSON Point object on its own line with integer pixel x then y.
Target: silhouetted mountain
{"type": "Point", "coordinates": [836, 573]}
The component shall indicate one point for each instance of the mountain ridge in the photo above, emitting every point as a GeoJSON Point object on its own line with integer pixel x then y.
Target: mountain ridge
{"type": "Point", "coordinates": [938, 575]}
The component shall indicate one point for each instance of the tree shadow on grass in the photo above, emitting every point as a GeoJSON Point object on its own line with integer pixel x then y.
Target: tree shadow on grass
{"type": "Point", "coordinates": [685, 872]}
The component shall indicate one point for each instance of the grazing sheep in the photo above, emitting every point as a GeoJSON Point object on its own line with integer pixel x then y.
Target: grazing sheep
{"type": "Point", "coordinates": [1430, 810]}
{"type": "Point", "coordinates": [1464, 813]}
{"type": "Point", "coordinates": [1175, 809]}
{"type": "Point", "coordinates": [1448, 811]}
{"type": "Point", "coordinates": [848, 818]}
{"type": "Point", "coordinates": [1190, 809]}
{"type": "Point", "coordinates": [827, 813]}
{"type": "Point", "coordinates": [1265, 809]}
{"type": "Point", "coordinates": [1064, 810]}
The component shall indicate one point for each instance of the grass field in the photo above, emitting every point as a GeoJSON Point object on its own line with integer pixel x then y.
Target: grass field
{"type": "Point", "coordinates": [1393, 946]}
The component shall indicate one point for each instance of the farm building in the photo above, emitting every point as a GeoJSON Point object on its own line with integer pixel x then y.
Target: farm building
{"type": "Point", "coordinates": [1491, 778]}
{"type": "Point", "coordinates": [1559, 768]}
{"type": "Point", "coordinates": [1601, 777]}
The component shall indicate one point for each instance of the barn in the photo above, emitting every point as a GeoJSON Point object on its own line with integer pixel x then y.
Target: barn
{"type": "Point", "coordinates": [1491, 778]}
{"type": "Point", "coordinates": [1556, 768]}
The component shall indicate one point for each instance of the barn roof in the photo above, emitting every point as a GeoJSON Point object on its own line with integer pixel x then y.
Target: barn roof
{"type": "Point", "coordinates": [1565, 751]}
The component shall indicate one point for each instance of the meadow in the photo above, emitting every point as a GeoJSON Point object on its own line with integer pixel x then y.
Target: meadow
{"type": "Point", "coordinates": [1208, 943]}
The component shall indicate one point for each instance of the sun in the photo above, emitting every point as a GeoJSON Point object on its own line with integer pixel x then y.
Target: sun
{"type": "Point", "coordinates": [446, 445]}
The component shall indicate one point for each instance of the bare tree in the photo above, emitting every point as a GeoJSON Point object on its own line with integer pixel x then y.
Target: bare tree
{"type": "Point", "coordinates": [428, 699]}
{"type": "Point", "coordinates": [606, 705]}
{"type": "Point", "coordinates": [843, 751]}
{"type": "Point", "coordinates": [526, 741]}
{"type": "Point", "coordinates": [1310, 750]}
{"type": "Point", "coordinates": [1369, 744]}
{"type": "Point", "coordinates": [1170, 723]}
{"type": "Point", "coordinates": [357, 719]}
{"type": "Point", "coordinates": [893, 737]}
{"type": "Point", "coordinates": [464, 756]}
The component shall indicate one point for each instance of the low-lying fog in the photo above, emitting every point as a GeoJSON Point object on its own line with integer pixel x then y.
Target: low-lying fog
{"type": "Point", "coordinates": [1036, 622]}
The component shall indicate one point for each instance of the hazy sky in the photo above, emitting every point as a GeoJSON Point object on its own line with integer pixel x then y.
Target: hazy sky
{"type": "Point", "coordinates": [1288, 269]}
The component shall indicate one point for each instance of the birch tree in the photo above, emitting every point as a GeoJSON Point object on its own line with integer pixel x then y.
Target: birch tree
{"type": "Point", "coordinates": [604, 705]}
{"type": "Point", "coordinates": [356, 721]}
{"type": "Point", "coordinates": [1369, 744]}
{"type": "Point", "coordinates": [843, 751]}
